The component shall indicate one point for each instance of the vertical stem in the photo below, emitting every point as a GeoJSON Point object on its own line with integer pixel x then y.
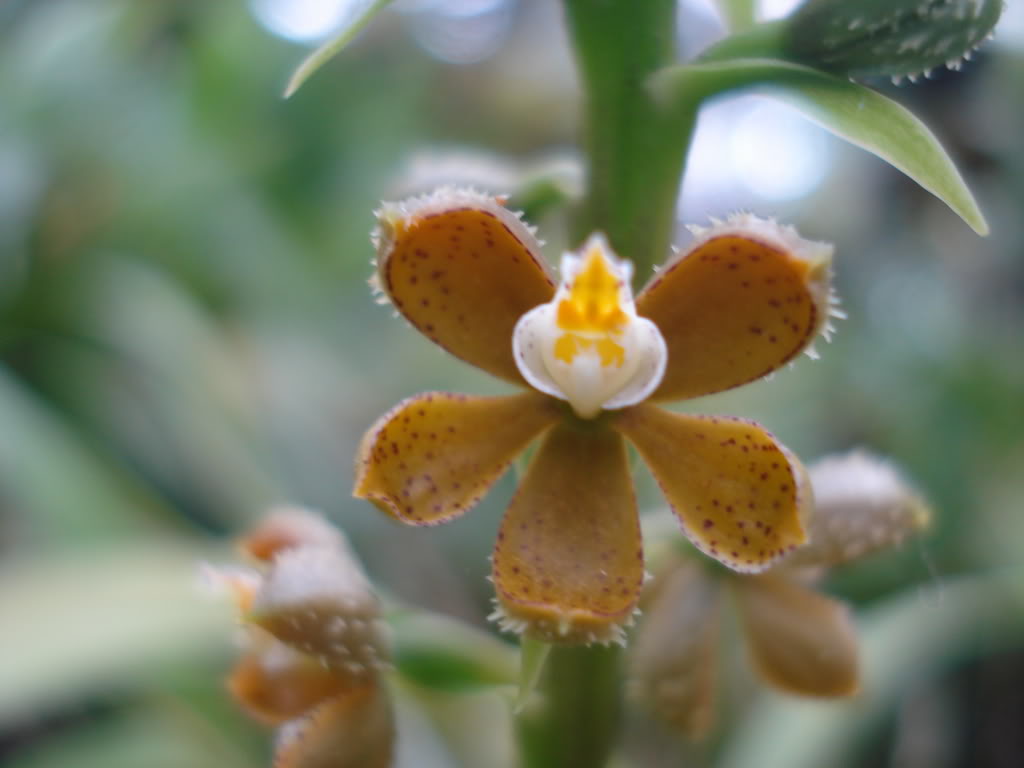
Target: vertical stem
{"type": "Point", "coordinates": [636, 148]}
{"type": "Point", "coordinates": [571, 721]}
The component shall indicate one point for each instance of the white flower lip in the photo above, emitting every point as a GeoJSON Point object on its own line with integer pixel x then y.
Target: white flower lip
{"type": "Point", "coordinates": [587, 345]}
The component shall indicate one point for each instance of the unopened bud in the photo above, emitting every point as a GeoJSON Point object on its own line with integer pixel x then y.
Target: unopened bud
{"type": "Point", "coordinates": [894, 38]}
{"type": "Point", "coordinates": [672, 659]}
{"type": "Point", "coordinates": [318, 601]}
{"type": "Point", "coordinates": [352, 731]}
{"type": "Point", "coordinates": [274, 683]}
{"type": "Point", "coordinates": [287, 527]}
{"type": "Point", "coordinates": [862, 505]}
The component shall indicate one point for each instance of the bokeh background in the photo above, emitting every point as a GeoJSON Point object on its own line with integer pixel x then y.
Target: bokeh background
{"type": "Point", "coordinates": [186, 337]}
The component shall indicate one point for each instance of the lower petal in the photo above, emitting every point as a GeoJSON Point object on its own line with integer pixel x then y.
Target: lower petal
{"type": "Point", "coordinates": [740, 495]}
{"type": "Point", "coordinates": [800, 641]}
{"type": "Point", "coordinates": [568, 565]}
{"type": "Point", "coordinates": [672, 658]}
{"type": "Point", "coordinates": [435, 455]}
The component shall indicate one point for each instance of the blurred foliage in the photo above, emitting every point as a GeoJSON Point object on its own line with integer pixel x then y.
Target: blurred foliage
{"type": "Point", "coordinates": [186, 336]}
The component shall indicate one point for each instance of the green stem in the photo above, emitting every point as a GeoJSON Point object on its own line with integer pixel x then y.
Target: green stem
{"type": "Point", "coordinates": [570, 721]}
{"type": "Point", "coordinates": [636, 147]}
{"type": "Point", "coordinates": [761, 41]}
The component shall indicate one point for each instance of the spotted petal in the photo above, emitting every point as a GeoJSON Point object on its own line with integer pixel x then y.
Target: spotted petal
{"type": "Point", "coordinates": [800, 641]}
{"type": "Point", "coordinates": [740, 495]}
{"type": "Point", "coordinates": [435, 455]}
{"type": "Point", "coordinates": [568, 564]}
{"type": "Point", "coordinates": [462, 269]}
{"type": "Point", "coordinates": [744, 299]}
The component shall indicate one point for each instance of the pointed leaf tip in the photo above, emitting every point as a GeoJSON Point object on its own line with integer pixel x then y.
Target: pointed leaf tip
{"type": "Point", "coordinates": [358, 15]}
{"type": "Point", "coordinates": [850, 111]}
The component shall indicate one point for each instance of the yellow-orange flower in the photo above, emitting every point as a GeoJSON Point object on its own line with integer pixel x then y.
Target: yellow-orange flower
{"type": "Point", "coordinates": [745, 298]}
{"type": "Point", "coordinates": [799, 640]}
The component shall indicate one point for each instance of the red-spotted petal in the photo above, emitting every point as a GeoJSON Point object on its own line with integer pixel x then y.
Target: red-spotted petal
{"type": "Point", "coordinates": [462, 269]}
{"type": "Point", "coordinates": [568, 564]}
{"type": "Point", "coordinates": [739, 494]}
{"type": "Point", "coordinates": [435, 455]}
{"type": "Point", "coordinates": [800, 641]}
{"type": "Point", "coordinates": [744, 299]}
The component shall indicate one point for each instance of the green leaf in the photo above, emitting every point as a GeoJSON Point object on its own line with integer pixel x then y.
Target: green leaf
{"type": "Point", "coordinates": [533, 655]}
{"type": "Point", "coordinates": [445, 654]}
{"type": "Point", "coordinates": [76, 623]}
{"type": "Point", "coordinates": [852, 112]}
{"type": "Point", "coordinates": [738, 14]}
{"type": "Point", "coordinates": [359, 14]}
{"type": "Point", "coordinates": [68, 490]}
{"type": "Point", "coordinates": [889, 37]}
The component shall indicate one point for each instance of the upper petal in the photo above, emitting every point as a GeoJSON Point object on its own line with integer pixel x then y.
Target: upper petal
{"type": "Point", "coordinates": [740, 495]}
{"type": "Point", "coordinates": [435, 455]}
{"type": "Point", "coordinates": [462, 269]}
{"type": "Point", "coordinates": [744, 299]}
{"type": "Point", "coordinates": [801, 642]}
{"type": "Point", "coordinates": [568, 565]}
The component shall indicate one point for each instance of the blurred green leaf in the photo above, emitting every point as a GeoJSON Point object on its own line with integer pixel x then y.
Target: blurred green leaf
{"type": "Point", "coordinates": [442, 653]}
{"type": "Point", "coordinates": [852, 112]}
{"type": "Point", "coordinates": [533, 655]}
{"type": "Point", "coordinates": [66, 489]}
{"type": "Point", "coordinates": [738, 14]}
{"type": "Point", "coordinates": [360, 12]}
{"type": "Point", "coordinates": [142, 736]}
{"type": "Point", "coordinates": [84, 624]}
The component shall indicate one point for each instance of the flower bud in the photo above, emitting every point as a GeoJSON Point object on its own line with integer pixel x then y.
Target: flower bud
{"type": "Point", "coordinates": [672, 660]}
{"type": "Point", "coordinates": [896, 38]}
{"type": "Point", "coordinates": [274, 683]}
{"type": "Point", "coordinates": [318, 601]}
{"type": "Point", "coordinates": [287, 527]}
{"type": "Point", "coordinates": [351, 731]}
{"type": "Point", "coordinates": [862, 505]}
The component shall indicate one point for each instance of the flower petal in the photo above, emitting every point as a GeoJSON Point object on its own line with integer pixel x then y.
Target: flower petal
{"type": "Point", "coordinates": [740, 495]}
{"type": "Point", "coordinates": [274, 683]}
{"type": "Point", "coordinates": [435, 455]}
{"type": "Point", "coordinates": [861, 505]}
{"type": "Point", "coordinates": [354, 730]}
{"type": "Point", "coordinates": [745, 298]}
{"type": "Point", "coordinates": [568, 564]}
{"type": "Point", "coordinates": [587, 345]}
{"type": "Point", "coordinates": [672, 657]}
{"type": "Point", "coordinates": [287, 527]}
{"type": "Point", "coordinates": [801, 642]}
{"type": "Point", "coordinates": [318, 601]}
{"type": "Point", "coordinates": [462, 269]}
